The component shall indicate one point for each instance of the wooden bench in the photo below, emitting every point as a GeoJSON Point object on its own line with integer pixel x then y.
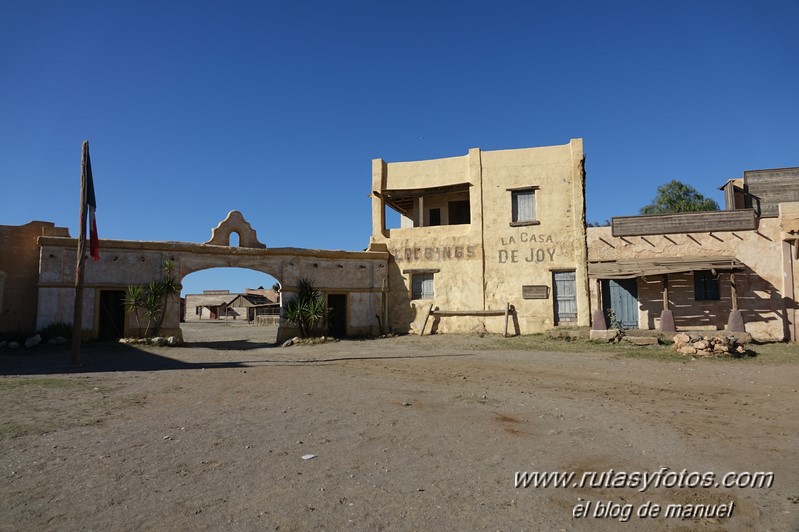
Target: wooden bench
{"type": "Point", "coordinates": [507, 312]}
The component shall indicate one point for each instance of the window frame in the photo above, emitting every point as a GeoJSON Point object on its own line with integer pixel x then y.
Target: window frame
{"type": "Point", "coordinates": [515, 193]}
{"type": "Point", "coordinates": [706, 286]}
{"type": "Point", "coordinates": [416, 274]}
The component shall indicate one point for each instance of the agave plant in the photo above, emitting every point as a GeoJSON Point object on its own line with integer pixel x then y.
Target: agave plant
{"type": "Point", "coordinates": [151, 300]}
{"type": "Point", "coordinates": [308, 309]}
{"type": "Point", "coordinates": [134, 300]}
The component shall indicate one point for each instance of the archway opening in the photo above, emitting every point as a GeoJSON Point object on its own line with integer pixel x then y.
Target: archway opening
{"type": "Point", "coordinates": [230, 307]}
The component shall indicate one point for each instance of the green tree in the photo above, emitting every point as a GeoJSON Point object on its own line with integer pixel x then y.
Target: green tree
{"type": "Point", "coordinates": [675, 196]}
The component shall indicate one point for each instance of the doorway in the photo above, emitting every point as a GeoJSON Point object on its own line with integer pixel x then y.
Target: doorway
{"type": "Point", "coordinates": [112, 315]}
{"type": "Point", "coordinates": [565, 297]}
{"type": "Point", "coordinates": [337, 303]}
{"type": "Point", "coordinates": [621, 295]}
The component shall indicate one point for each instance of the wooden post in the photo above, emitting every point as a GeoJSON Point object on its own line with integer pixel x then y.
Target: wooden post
{"type": "Point", "coordinates": [598, 315]}
{"type": "Point", "coordinates": [77, 316]}
{"type": "Point", "coordinates": [666, 316]}
{"type": "Point", "coordinates": [507, 314]}
{"type": "Point", "coordinates": [426, 316]}
{"type": "Point", "coordinates": [735, 323]}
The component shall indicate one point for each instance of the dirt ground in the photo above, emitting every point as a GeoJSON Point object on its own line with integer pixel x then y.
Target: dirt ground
{"type": "Point", "coordinates": [406, 433]}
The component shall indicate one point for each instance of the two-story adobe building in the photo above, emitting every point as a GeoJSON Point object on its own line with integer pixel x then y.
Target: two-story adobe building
{"type": "Point", "coordinates": [481, 232]}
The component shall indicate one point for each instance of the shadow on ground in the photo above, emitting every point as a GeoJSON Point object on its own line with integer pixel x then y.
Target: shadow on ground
{"type": "Point", "coordinates": [111, 356]}
{"type": "Point", "coordinates": [96, 357]}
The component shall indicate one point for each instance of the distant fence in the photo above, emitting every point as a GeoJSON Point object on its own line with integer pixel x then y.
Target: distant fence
{"type": "Point", "coordinates": [267, 320]}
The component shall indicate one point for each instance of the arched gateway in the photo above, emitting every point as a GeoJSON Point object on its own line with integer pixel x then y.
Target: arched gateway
{"type": "Point", "coordinates": [355, 278]}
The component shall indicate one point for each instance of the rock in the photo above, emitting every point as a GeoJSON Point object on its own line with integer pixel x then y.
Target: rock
{"type": "Point", "coordinates": [58, 340]}
{"type": "Point", "coordinates": [701, 344]}
{"type": "Point", "coordinates": [172, 341]}
{"type": "Point", "coordinates": [741, 337]}
{"type": "Point", "coordinates": [720, 348]}
{"type": "Point", "coordinates": [33, 341]}
{"type": "Point", "coordinates": [13, 345]}
{"type": "Point", "coordinates": [687, 350]}
{"type": "Point", "coordinates": [681, 339]}
{"type": "Point", "coordinates": [290, 342]}
{"type": "Point", "coordinates": [603, 335]}
{"type": "Point", "coordinates": [740, 349]}
{"type": "Point", "coordinates": [159, 341]}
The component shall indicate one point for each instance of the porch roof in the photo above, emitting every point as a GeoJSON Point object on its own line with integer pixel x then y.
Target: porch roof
{"type": "Point", "coordinates": [401, 200]}
{"type": "Point", "coordinates": [632, 268]}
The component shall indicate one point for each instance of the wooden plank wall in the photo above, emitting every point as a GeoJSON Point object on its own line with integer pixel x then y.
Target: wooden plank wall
{"type": "Point", "coordinates": [767, 188]}
{"type": "Point", "coordinates": [693, 222]}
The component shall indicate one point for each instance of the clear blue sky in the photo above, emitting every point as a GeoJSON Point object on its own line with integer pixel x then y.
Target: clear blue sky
{"type": "Point", "coordinates": [193, 109]}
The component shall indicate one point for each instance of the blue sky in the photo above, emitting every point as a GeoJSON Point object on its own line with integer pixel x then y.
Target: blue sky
{"type": "Point", "coordinates": [193, 109]}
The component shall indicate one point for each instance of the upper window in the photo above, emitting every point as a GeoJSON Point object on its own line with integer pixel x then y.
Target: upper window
{"type": "Point", "coordinates": [459, 212]}
{"type": "Point", "coordinates": [523, 206]}
{"type": "Point", "coordinates": [435, 217]}
{"type": "Point", "coordinates": [706, 286]}
{"type": "Point", "coordinates": [422, 286]}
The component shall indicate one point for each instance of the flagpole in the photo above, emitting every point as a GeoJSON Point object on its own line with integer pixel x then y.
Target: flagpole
{"type": "Point", "coordinates": [78, 314]}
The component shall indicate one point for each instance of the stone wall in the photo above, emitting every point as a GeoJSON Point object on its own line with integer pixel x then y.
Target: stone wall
{"type": "Point", "coordinates": [19, 268]}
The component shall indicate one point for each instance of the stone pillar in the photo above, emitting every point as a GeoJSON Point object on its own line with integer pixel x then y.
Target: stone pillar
{"type": "Point", "coordinates": [666, 315]}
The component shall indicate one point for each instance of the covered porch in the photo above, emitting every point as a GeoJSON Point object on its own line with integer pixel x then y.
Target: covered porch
{"type": "Point", "coordinates": [667, 293]}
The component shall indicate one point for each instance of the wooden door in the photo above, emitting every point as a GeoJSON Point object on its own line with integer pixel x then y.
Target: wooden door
{"type": "Point", "coordinates": [565, 297]}
{"type": "Point", "coordinates": [621, 295]}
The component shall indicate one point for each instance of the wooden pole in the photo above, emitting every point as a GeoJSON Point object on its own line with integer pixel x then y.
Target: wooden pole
{"type": "Point", "coordinates": [77, 316]}
{"type": "Point", "coordinates": [733, 291]}
{"type": "Point", "coordinates": [507, 314]}
{"type": "Point", "coordinates": [426, 317]}
{"type": "Point", "coordinates": [665, 292]}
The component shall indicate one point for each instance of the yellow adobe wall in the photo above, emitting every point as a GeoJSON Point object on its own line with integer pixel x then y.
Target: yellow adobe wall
{"type": "Point", "coordinates": [528, 255]}
{"type": "Point", "coordinates": [483, 265]}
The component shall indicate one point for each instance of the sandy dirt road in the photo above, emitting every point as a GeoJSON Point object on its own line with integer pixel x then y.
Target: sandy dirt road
{"type": "Point", "coordinates": [407, 433]}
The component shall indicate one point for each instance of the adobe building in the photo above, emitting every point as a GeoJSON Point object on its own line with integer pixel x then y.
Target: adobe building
{"type": "Point", "coordinates": [734, 269]}
{"type": "Point", "coordinates": [483, 233]}
{"type": "Point", "coordinates": [486, 241]}
{"type": "Point", "coordinates": [19, 274]}
{"type": "Point", "coordinates": [352, 281]}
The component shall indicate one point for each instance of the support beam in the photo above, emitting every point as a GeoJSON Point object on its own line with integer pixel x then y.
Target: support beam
{"type": "Point", "coordinates": [735, 323]}
{"type": "Point", "coordinates": [666, 315]}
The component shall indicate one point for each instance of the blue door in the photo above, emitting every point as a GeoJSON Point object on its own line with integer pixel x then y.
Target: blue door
{"type": "Point", "coordinates": [565, 297]}
{"type": "Point", "coordinates": [621, 295]}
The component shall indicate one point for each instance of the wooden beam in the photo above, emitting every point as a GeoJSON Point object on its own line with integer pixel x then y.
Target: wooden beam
{"type": "Point", "coordinates": [693, 222]}
{"type": "Point", "coordinates": [469, 312]}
